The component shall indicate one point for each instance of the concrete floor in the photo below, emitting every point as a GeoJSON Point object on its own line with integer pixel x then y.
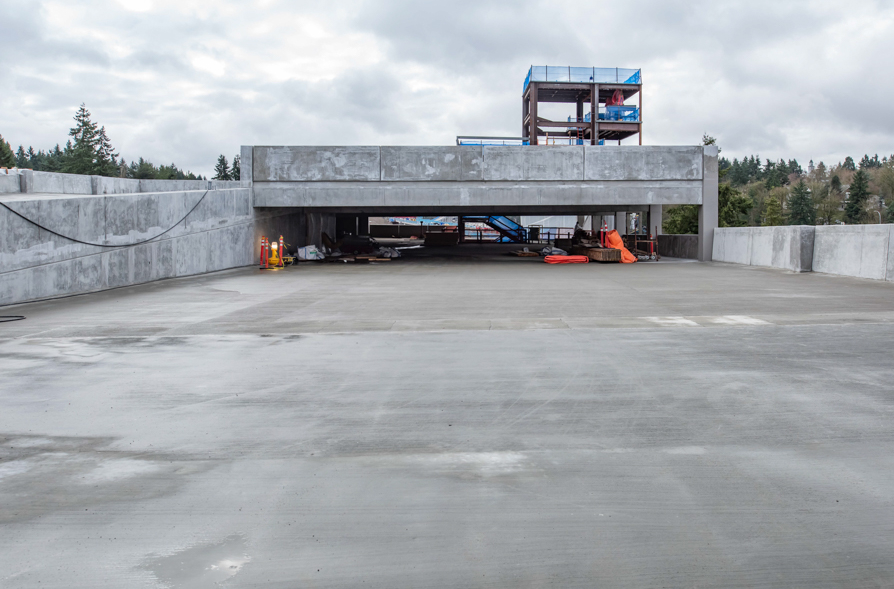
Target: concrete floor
{"type": "Point", "coordinates": [453, 422]}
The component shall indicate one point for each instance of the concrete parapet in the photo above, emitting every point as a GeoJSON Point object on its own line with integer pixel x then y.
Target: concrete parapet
{"type": "Point", "coordinates": [10, 183]}
{"type": "Point", "coordinates": [35, 264]}
{"type": "Point", "coordinates": [863, 251]}
{"type": "Point", "coordinates": [790, 248]}
{"type": "Point", "coordinates": [569, 163]}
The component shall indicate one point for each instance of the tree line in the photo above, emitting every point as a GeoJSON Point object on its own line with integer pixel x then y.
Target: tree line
{"type": "Point", "coordinates": [89, 151]}
{"type": "Point", "coordinates": [755, 193]}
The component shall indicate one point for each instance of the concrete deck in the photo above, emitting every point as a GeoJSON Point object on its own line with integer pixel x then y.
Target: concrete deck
{"type": "Point", "coordinates": [448, 422]}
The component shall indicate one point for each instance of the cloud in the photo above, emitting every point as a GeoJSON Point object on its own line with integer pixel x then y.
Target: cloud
{"type": "Point", "coordinates": [182, 81]}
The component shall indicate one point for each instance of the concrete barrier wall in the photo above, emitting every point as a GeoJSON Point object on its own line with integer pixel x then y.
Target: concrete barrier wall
{"type": "Point", "coordinates": [31, 182]}
{"type": "Point", "coordinates": [863, 251]}
{"type": "Point", "coordinates": [790, 248]}
{"type": "Point", "coordinates": [10, 183]}
{"type": "Point", "coordinates": [35, 264]}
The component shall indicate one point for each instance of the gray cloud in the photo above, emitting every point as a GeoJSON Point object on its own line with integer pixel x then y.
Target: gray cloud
{"type": "Point", "coordinates": [175, 81]}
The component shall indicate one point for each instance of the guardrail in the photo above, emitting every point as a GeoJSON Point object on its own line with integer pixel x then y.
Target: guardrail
{"type": "Point", "coordinates": [586, 75]}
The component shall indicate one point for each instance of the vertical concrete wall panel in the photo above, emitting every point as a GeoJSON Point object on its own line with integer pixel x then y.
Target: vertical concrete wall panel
{"type": "Point", "coordinates": [103, 185]}
{"type": "Point", "coordinates": [89, 272]}
{"type": "Point", "coordinates": [10, 183]}
{"type": "Point", "coordinates": [853, 250]}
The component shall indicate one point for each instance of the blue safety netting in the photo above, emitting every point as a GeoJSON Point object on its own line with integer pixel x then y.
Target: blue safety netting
{"type": "Point", "coordinates": [586, 75]}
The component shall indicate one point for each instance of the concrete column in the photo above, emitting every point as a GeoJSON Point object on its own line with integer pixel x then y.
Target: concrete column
{"type": "Point", "coordinates": [363, 225]}
{"type": "Point", "coordinates": [709, 210]}
{"type": "Point", "coordinates": [26, 181]}
{"type": "Point", "coordinates": [621, 223]}
{"type": "Point", "coordinates": [595, 222]}
{"type": "Point", "coordinates": [246, 169]}
{"type": "Point", "coordinates": [655, 220]}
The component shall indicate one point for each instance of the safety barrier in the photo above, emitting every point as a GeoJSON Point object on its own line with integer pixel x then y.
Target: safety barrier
{"type": "Point", "coordinates": [585, 75]}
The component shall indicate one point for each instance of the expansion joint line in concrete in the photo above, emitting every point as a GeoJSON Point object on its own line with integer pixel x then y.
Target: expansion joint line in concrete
{"type": "Point", "coordinates": [169, 229]}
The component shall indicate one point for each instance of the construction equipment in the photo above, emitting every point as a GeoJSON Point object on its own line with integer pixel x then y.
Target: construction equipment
{"type": "Point", "coordinates": [272, 254]}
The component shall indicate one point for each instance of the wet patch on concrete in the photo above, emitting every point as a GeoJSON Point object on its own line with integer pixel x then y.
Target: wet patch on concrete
{"type": "Point", "coordinates": [78, 474]}
{"type": "Point", "coordinates": [202, 566]}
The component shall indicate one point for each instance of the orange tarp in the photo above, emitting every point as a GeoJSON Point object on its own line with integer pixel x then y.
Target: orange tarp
{"type": "Point", "coordinates": [615, 242]}
{"type": "Point", "coordinates": [566, 260]}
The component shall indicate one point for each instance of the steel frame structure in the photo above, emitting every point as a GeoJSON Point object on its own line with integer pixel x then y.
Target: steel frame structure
{"type": "Point", "coordinates": [579, 94]}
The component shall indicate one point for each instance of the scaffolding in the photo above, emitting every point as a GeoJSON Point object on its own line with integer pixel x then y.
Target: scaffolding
{"type": "Point", "coordinates": [601, 98]}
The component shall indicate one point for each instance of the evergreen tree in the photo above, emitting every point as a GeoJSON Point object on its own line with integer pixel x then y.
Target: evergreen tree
{"type": "Point", "coordinates": [854, 211]}
{"type": "Point", "coordinates": [82, 157]}
{"type": "Point", "coordinates": [222, 169]}
{"type": "Point", "coordinates": [7, 157]}
{"type": "Point", "coordinates": [21, 158]}
{"type": "Point", "coordinates": [681, 220]}
{"type": "Point", "coordinates": [890, 215]}
{"type": "Point", "coordinates": [733, 207]}
{"type": "Point", "coordinates": [849, 164]}
{"type": "Point", "coordinates": [773, 213]}
{"type": "Point", "coordinates": [235, 171]}
{"type": "Point", "coordinates": [800, 206]}
{"type": "Point", "coordinates": [106, 162]}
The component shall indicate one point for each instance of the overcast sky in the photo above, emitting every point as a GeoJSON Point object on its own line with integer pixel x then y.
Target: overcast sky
{"type": "Point", "coordinates": [183, 81]}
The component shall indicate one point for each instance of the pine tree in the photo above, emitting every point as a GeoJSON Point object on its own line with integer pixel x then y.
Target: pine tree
{"type": "Point", "coordinates": [732, 206]}
{"type": "Point", "coordinates": [236, 171]}
{"type": "Point", "coordinates": [106, 164]}
{"type": "Point", "coordinates": [21, 158]}
{"type": "Point", "coordinates": [222, 169]}
{"type": "Point", "coordinates": [7, 157]}
{"type": "Point", "coordinates": [849, 164]}
{"type": "Point", "coordinates": [859, 192]}
{"type": "Point", "coordinates": [773, 213]}
{"type": "Point", "coordinates": [81, 158]}
{"type": "Point", "coordinates": [800, 205]}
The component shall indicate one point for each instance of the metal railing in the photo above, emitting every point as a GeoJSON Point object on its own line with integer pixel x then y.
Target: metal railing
{"type": "Point", "coordinates": [586, 75]}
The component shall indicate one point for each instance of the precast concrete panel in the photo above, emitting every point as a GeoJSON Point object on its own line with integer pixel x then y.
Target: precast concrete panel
{"type": "Point", "coordinates": [316, 164]}
{"type": "Point", "coordinates": [54, 183]}
{"type": "Point", "coordinates": [103, 185]}
{"type": "Point", "coordinates": [544, 163]}
{"type": "Point", "coordinates": [853, 250]}
{"type": "Point", "coordinates": [10, 183]}
{"type": "Point", "coordinates": [613, 162]}
{"type": "Point", "coordinates": [454, 163]}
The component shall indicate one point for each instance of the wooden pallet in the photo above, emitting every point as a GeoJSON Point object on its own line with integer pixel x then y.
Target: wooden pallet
{"type": "Point", "coordinates": [597, 254]}
{"type": "Point", "coordinates": [524, 254]}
